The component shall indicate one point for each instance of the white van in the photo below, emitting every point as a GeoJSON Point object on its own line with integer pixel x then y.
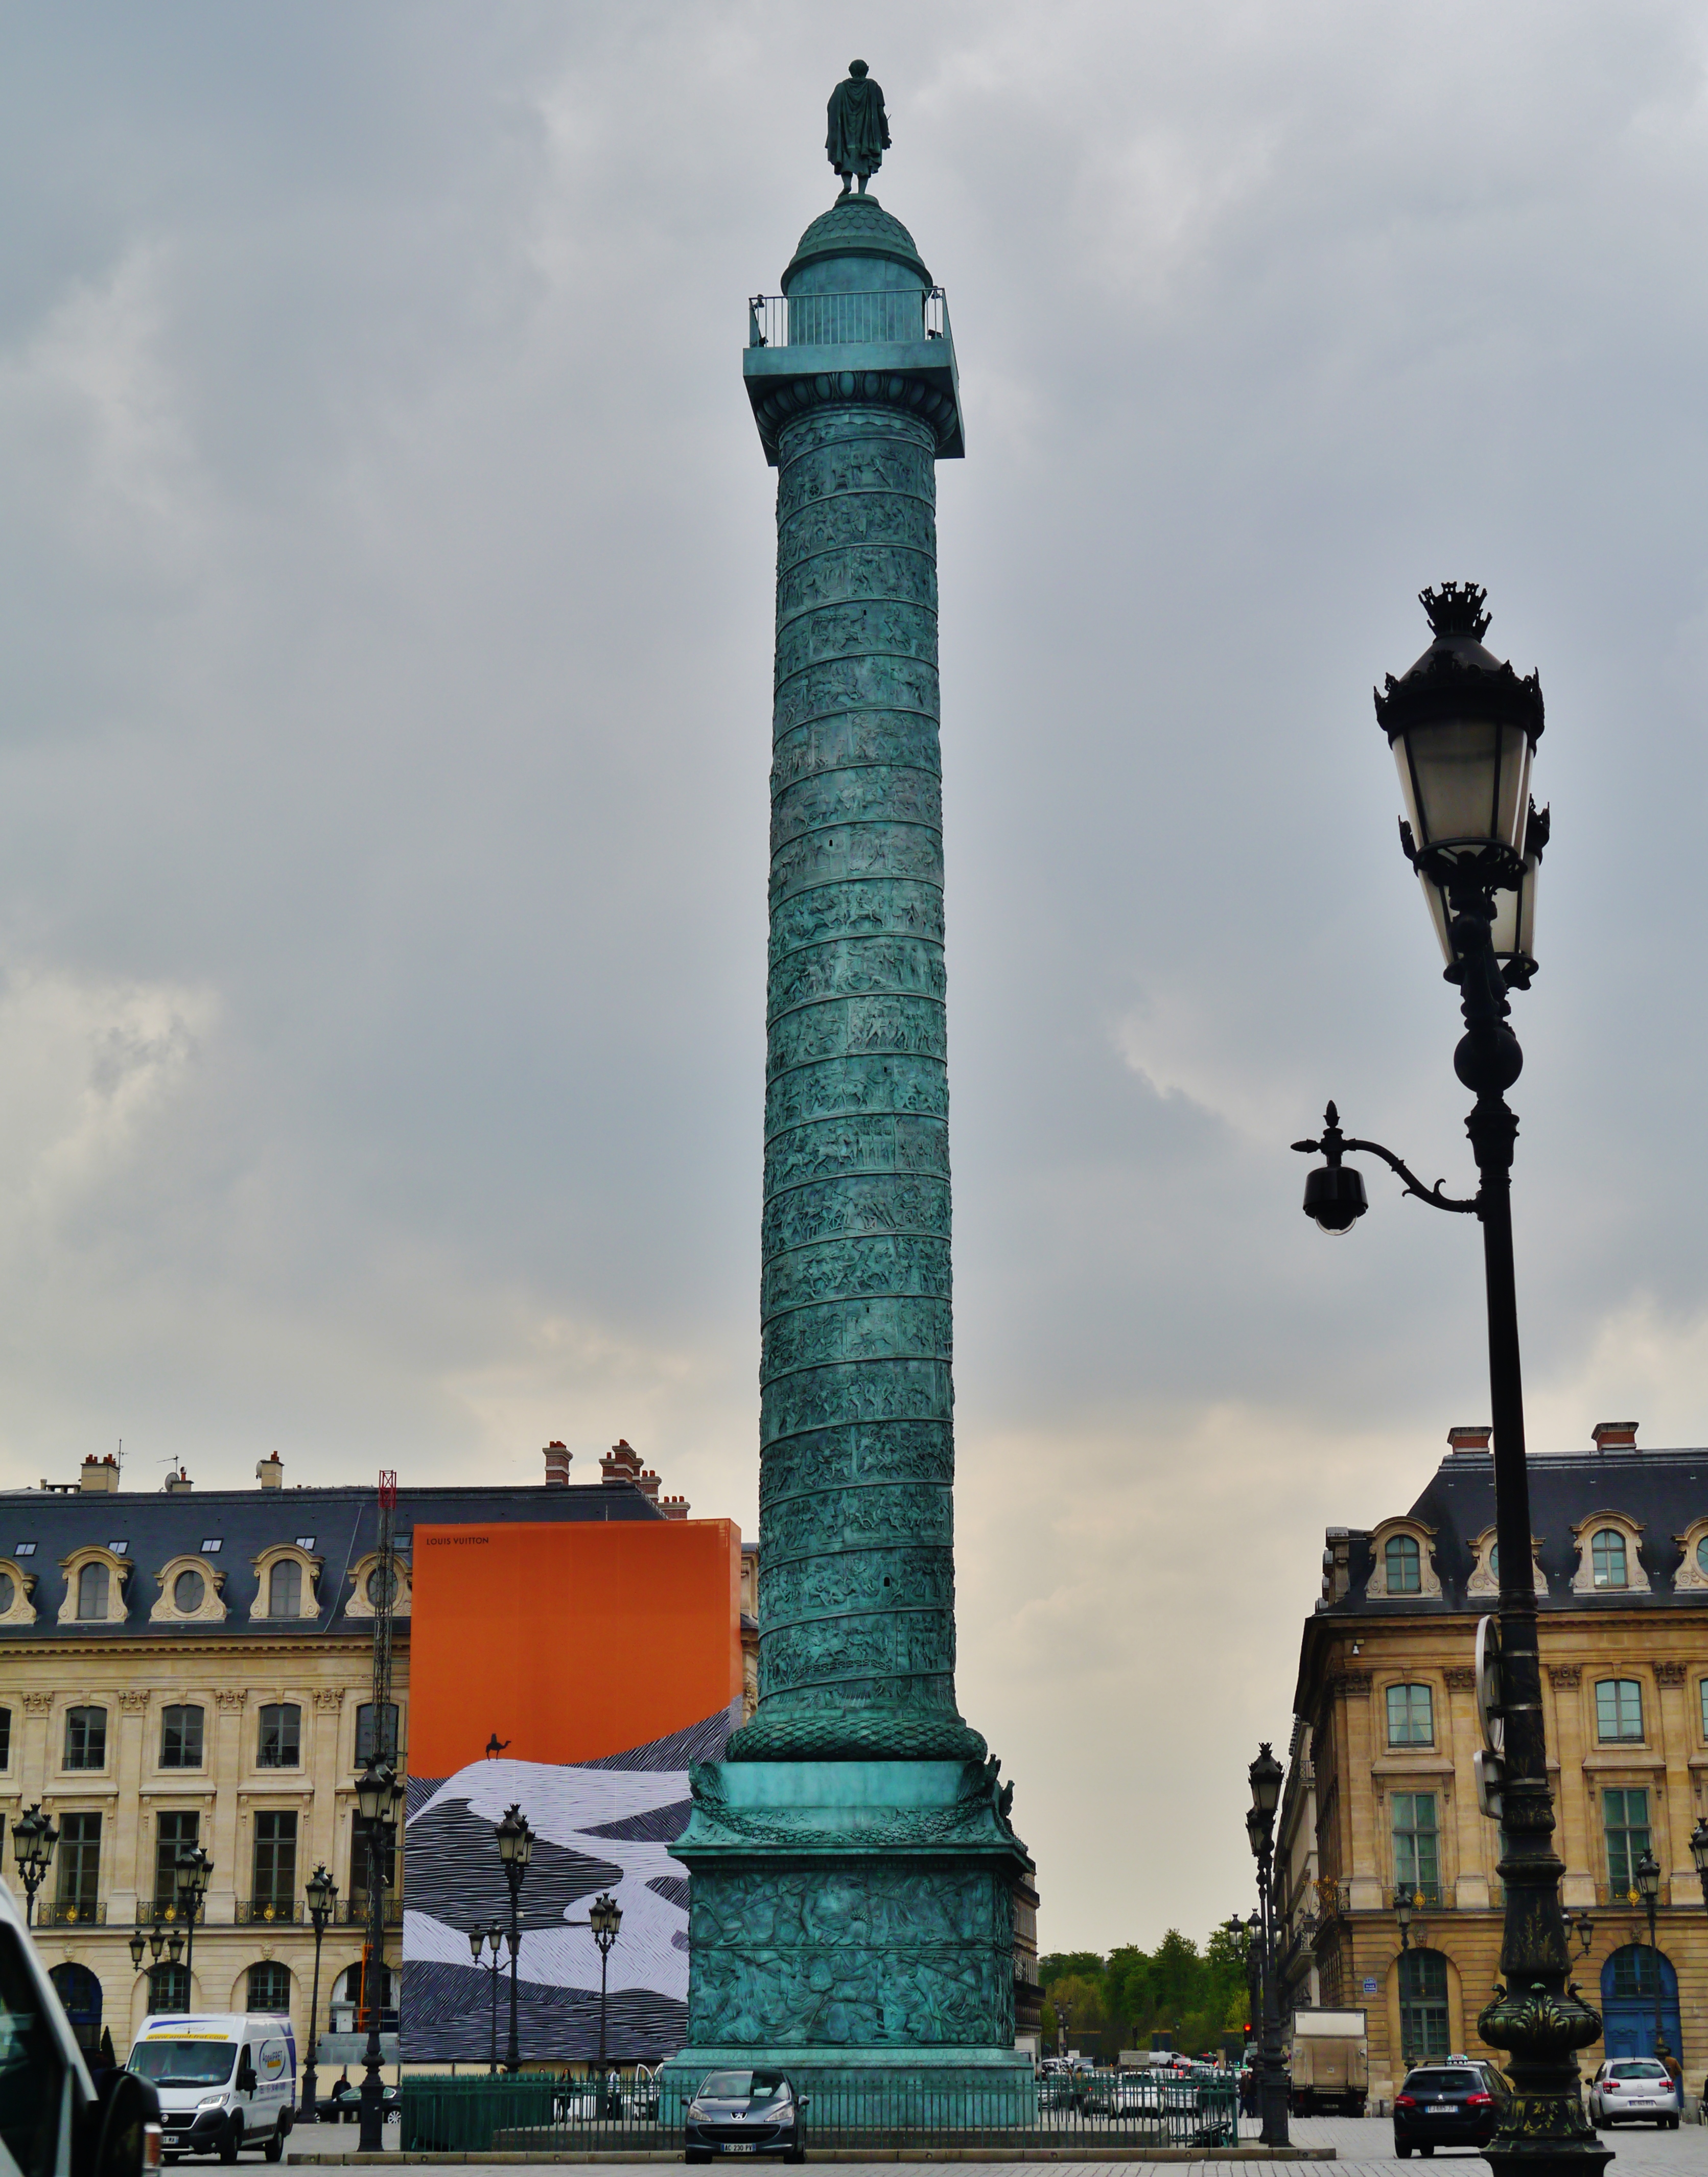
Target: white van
{"type": "Point", "coordinates": [227, 2080]}
{"type": "Point", "coordinates": [55, 2121]}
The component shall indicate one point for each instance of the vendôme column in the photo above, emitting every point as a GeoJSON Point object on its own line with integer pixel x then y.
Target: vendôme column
{"type": "Point", "coordinates": [853, 1862]}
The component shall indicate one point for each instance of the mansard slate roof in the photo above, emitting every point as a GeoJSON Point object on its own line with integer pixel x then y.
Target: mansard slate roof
{"type": "Point", "coordinates": [158, 1528]}
{"type": "Point", "coordinates": [1660, 1491]}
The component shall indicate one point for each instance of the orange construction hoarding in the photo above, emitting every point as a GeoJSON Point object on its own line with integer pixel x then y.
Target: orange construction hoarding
{"type": "Point", "coordinates": [569, 1642]}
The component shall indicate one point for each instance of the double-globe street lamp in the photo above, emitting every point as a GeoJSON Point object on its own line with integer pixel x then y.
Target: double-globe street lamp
{"type": "Point", "coordinates": [377, 1793]}
{"type": "Point", "coordinates": [158, 1939]}
{"type": "Point", "coordinates": [322, 1894]}
{"type": "Point", "coordinates": [192, 1872]}
{"type": "Point", "coordinates": [605, 1919]}
{"type": "Point", "coordinates": [1266, 1776]}
{"type": "Point", "coordinates": [515, 1848]}
{"type": "Point", "coordinates": [480, 1940]}
{"type": "Point", "coordinates": [33, 1839]}
{"type": "Point", "coordinates": [1462, 728]}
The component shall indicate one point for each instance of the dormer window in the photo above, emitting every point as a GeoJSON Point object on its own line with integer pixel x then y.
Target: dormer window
{"type": "Point", "coordinates": [285, 1589]}
{"type": "Point", "coordinates": [93, 1581]}
{"type": "Point", "coordinates": [1608, 1558]}
{"type": "Point", "coordinates": [188, 1591]}
{"type": "Point", "coordinates": [1403, 1565]}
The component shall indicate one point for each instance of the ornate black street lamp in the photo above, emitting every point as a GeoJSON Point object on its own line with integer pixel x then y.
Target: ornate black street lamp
{"type": "Point", "coordinates": [1647, 1874]}
{"type": "Point", "coordinates": [1462, 728]}
{"type": "Point", "coordinates": [377, 1792]}
{"type": "Point", "coordinates": [515, 1848]}
{"type": "Point", "coordinates": [481, 1940]}
{"type": "Point", "coordinates": [322, 1894]}
{"type": "Point", "coordinates": [33, 1839]}
{"type": "Point", "coordinates": [605, 1918]}
{"type": "Point", "coordinates": [1266, 1776]}
{"type": "Point", "coordinates": [191, 1871]}
{"type": "Point", "coordinates": [1584, 1928]}
{"type": "Point", "coordinates": [1698, 1853]}
{"type": "Point", "coordinates": [1402, 1913]}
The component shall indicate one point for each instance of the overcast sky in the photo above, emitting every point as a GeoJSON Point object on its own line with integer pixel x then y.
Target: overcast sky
{"type": "Point", "coordinates": [385, 589]}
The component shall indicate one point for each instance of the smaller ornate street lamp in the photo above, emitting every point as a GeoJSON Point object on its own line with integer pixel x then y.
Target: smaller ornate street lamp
{"type": "Point", "coordinates": [480, 1941]}
{"type": "Point", "coordinates": [1648, 1882]}
{"type": "Point", "coordinates": [1402, 1913]}
{"type": "Point", "coordinates": [605, 1919]}
{"type": "Point", "coordinates": [191, 1871]}
{"type": "Point", "coordinates": [33, 1839]}
{"type": "Point", "coordinates": [377, 1792]}
{"type": "Point", "coordinates": [1583, 1928]}
{"type": "Point", "coordinates": [174, 1947]}
{"type": "Point", "coordinates": [322, 1894]}
{"type": "Point", "coordinates": [139, 1944]}
{"type": "Point", "coordinates": [515, 1848]}
{"type": "Point", "coordinates": [1266, 1776]}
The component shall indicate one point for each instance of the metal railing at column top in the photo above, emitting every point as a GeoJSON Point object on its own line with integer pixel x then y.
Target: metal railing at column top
{"type": "Point", "coordinates": [875, 317]}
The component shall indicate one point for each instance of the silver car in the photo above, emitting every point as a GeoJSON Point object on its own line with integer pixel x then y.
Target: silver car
{"type": "Point", "coordinates": [1635, 2090]}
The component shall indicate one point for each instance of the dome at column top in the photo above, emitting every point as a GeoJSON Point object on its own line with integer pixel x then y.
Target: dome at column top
{"type": "Point", "coordinates": [856, 227]}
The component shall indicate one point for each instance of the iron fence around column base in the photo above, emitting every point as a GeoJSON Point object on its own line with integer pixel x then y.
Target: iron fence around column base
{"type": "Point", "coordinates": [538, 2112]}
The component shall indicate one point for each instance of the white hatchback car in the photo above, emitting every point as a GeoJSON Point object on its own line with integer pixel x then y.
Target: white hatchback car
{"type": "Point", "coordinates": [1635, 2090]}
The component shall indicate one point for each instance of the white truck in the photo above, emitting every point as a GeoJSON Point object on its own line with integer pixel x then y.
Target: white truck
{"type": "Point", "coordinates": [227, 2080]}
{"type": "Point", "coordinates": [1329, 2062]}
{"type": "Point", "coordinates": [56, 2120]}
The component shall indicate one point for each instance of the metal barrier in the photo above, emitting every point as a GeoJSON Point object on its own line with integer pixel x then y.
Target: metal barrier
{"type": "Point", "coordinates": [881, 317]}
{"type": "Point", "coordinates": [538, 2111]}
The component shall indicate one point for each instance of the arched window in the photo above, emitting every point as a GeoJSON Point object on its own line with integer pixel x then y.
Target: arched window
{"type": "Point", "coordinates": [269, 1988]}
{"type": "Point", "coordinates": [285, 1589]}
{"type": "Point", "coordinates": [1423, 2028]}
{"type": "Point", "coordinates": [169, 1987]}
{"type": "Point", "coordinates": [1619, 1711]}
{"type": "Point", "coordinates": [91, 1590]}
{"type": "Point", "coordinates": [80, 1991]}
{"type": "Point", "coordinates": [347, 1988]}
{"type": "Point", "coordinates": [8, 1588]}
{"type": "Point", "coordinates": [188, 1591]}
{"type": "Point", "coordinates": [382, 1584]}
{"type": "Point", "coordinates": [1411, 1717]}
{"type": "Point", "coordinates": [1403, 1565]}
{"type": "Point", "coordinates": [1608, 1558]}
{"type": "Point", "coordinates": [1628, 2005]}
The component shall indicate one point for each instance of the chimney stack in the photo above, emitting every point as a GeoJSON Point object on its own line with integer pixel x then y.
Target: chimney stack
{"type": "Point", "coordinates": [558, 1457]}
{"type": "Point", "coordinates": [621, 1464]}
{"type": "Point", "coordinates": [649, 1486]}
{"type": "Point", "coordinates": [1464, 1439]}
{"type": "Point", "coordinates": [269, 1471]}
{"type": "Point", "coordinates": [1612, 1435]}
{"type": "Point", "coordinates": [674, 1508]}
{"type": "Point", "coordinates": [177, 1484]}
{"type": "Point", "coordinates": [99, 1475]}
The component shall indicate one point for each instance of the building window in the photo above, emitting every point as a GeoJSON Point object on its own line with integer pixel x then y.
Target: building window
{"type": "Point", "coordinates": [8, 1592]}
{"type": "Point", "coordinates": [1634, 1971]}
{"type": "Point", "coordinates": [348, 1987]}
{"type": "Point", "coordinates": [1619, 1710]}
{"type": "Point", "coordinates": [85, 1739]}
{"type": "Point", "coordinates": [1702, 1692]}
{"type": "Point", "coordinates": [1416, 1854]}
{"type": "Point", "coordinates": [181, 1739]}
{"type": "Point", "coordinates": [1626, 1816]}
{"type": "Point", "coordinates": [281, 1736]}
{"type": "Point", "coordinates": [269, 1988]}
{"type": "Point", "coordinates": [1403, 1565]}
{"type": "Point", "coordinates": [173, 1834]}
{"type": "Point", "coordinates": [79, 1864]}
{"type": "Point", "coordinates": [1608, 1558]}
{"type": "Point", "coordinates": [358, 1864]}
{"type": "Point", "coordinates": [6, 1735]}
{"type": "Point", "coordinates": [365, 1747]}
{"type": "Point", "coordinates": [276, 1861]}
{"type": "Point", "coordinates": [1411, 1717]}
{"type": "Point", "coordinates": [91, 1590]}
{"type": "Point", "coordinates": [285, 1589]}
{"type": "Point", "coordinates": [169, 1987]}
{"type": "Point", "coordinates": [1423, 2032]}
{"type": "Point", "coordinates": [188, 1591]}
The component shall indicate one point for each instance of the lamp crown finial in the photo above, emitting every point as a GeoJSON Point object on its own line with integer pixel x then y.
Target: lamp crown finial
{"type": "Point", "coordinates": [1457, 608]}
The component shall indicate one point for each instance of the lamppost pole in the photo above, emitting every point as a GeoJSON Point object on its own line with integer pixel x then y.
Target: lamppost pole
{"type": "Point", "coordinates": [480, 1940]}
{"type": "Point", "coordinates": [1648, 1879]}
{"type": "Point", "coordinates": [191, 1872]}
{"type": "Point", "coordinates": [1462, 728]}
{"type": "Point", "coordinates": [377, 1792]}
{"type": "Point", "coordinates": [515, 1848]}
{"type": "Point", "coordinates": [1266, 1775]}
{"type": "Point", "coordinates": [33, 1839]}
{"type": "Point", "coordinates": [321, 1892]}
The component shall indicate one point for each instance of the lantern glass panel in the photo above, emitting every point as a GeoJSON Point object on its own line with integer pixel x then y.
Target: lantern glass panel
{"type": "Point", "coordinates": [1465, 783]}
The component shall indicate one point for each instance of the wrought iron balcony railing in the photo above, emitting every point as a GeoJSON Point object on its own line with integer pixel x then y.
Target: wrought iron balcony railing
{"type": "Point", "coordinates": [883, 318]}
{"type": "Point", "coordinates": [353, 1912]}
{"type": "Point", "coordinates": [1425, 1897]}
{"type": "Point", "coordinates": [70, 1912]}
{"type": "Point", "coordinates": [1609, 1894]}
{"type": "Point", "coordinates": [170, 1910]}
{"type": "Point", "coordinates": [269, 1910]}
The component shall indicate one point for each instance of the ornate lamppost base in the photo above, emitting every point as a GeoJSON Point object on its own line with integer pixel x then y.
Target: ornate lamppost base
{"type": "Point", "coordinates": [1548, 2131]}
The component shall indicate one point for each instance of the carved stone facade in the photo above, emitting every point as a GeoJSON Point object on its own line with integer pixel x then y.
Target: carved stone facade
{"type": "Point", "coordinates": [854, 1868]}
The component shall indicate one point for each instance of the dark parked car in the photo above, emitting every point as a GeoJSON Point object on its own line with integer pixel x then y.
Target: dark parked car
{"type": "Point", "coordinates": [1448, 2104]}
{"type": "Point", "coordinates": [745, 2112]}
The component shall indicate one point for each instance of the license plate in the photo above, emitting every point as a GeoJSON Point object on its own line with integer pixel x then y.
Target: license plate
{"type": "Point", "coordinates": [1440, 2109]}
{"type": "Point", "coordinates": [738, 2146]}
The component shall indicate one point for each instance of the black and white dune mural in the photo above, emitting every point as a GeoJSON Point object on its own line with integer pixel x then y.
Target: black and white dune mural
{"type": "Point", "coordinates": [605, 1824]}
